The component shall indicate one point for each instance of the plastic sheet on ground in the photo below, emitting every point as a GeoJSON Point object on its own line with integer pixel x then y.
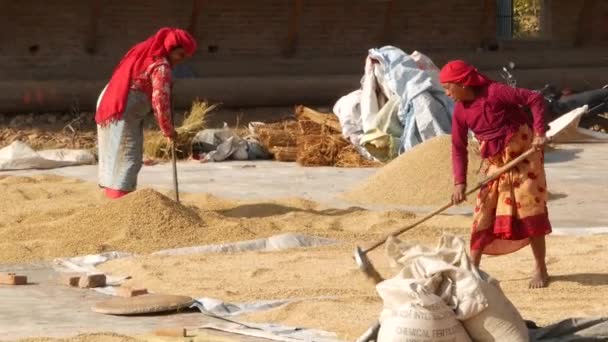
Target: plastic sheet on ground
{"type": "Point", "coordinates": [20, 156]}
{"type": "Point", "coordinates": [215, 307]}
{"type": "Point", "coordinates": [88, 263]}
{"type": "Point", "coordinates": [273, 243]}
{"type": "Point", "coordinates": [273, 332]}
{"type": "Point", "coordinates": [572, 330]}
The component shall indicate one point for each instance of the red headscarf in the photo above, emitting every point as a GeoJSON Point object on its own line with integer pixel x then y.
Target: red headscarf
{"type": "Point", "coordinates": [134, 63]}
{"type": "Point", "coordinates": [462, 73]}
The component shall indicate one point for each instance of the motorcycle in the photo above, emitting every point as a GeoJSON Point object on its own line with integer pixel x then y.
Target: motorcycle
{"type": "Point", "coordinates": [560, 103]}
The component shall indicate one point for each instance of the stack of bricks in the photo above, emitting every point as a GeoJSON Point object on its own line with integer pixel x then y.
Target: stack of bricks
{"type": "Point", "coordinates": [87, 281]}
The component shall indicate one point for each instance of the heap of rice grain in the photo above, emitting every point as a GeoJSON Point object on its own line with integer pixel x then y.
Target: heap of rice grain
{"type": "Point", "coordinates": [143, 221]}
{"type": "Point", "coordinates": [421, 176]}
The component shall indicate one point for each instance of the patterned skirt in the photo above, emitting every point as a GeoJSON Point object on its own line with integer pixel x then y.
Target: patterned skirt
{"type": "Point", "coordinates": [120, 145]}
{"type": "Point", "coordinates": [512, 208]}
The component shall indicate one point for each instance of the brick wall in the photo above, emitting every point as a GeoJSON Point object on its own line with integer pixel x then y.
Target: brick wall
{"type": "Point", "coordinates": [565, 25]}
{"type": "Point", "coordinates": [245, 37]}
{"type": "Point", "coordinates": [241, 31]}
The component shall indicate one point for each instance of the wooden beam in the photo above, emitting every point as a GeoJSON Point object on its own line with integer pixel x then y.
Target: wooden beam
{"type": "Point", "coordinates": [386, 33]}
{"type": "Point", "coordinates": [90, 43]}
{"type": "Point", "coordinates": [295, 13]}
{"type": "Point", "coordinates": [197, 6]}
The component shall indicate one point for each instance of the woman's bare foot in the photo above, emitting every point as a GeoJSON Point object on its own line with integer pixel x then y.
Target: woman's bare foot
{"type": "Point", "coordinates": [540, 279]}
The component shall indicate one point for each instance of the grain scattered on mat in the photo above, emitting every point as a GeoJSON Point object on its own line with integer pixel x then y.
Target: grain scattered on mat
{"type": "Point", "coordinates": [311, 274]}
{"type": "Point", "coordinates": [96, 337]}
{"type": "Point", "coordinates": [421, 176]}
{"type": "Point", "coordinates": [578, 287]}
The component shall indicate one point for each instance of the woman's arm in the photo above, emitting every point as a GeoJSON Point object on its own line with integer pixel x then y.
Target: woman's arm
{"type": "Point", "coordinates": [459, 147]}
{"type": "Point", "coordinates": [161, 98]}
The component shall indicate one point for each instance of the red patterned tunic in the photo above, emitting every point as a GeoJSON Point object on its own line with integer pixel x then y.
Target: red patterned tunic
{"type": "Point", "coordinates": [155, 82]}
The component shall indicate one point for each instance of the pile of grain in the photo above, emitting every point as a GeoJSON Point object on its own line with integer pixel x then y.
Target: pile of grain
{"type": "Point", "coordinates": [143, 221]}
{"type": "Point", "coordinates": [422, 176]}
{"type": "Point", "coordinates": [47, 217]}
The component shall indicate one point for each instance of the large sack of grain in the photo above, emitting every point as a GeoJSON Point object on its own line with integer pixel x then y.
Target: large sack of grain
{"type": "Point", "coordinates": [410, 313]}
{"type": "Point", "coordinates": [500, 321]}
{"type": "Point", "coordinates": [476, 298]}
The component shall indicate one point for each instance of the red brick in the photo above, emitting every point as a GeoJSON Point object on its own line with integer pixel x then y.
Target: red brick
{"type": "Point", "coordinates": [125, 291]}
{"type": "Point", "coordinates": [70, 279]}
{"type": "Point", "coordinates": [92, 280]}
{"type": "Point", "coordinates": [12, 279]}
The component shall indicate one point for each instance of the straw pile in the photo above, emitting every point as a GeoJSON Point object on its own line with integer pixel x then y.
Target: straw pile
{"type": "Point", "coordinates": [157, 146]}
{"type": "Point", "coordinates": [279, 138]}
{"type": "Point", "coordinates": [321, 144]}
{"type": "Point", "coordinates": [39, 139]}
{"type": "Point", "coordinates": [422, 176]}
{"type": "Point", "coordinates": [284, 154]}
{"type": "Point", "coordinates": [320, 150]}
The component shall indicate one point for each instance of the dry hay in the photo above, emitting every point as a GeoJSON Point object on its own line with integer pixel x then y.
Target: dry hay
{"type": "Point", "coordinates": [350, 157]}
{"type": "Point", "coordinates": [44, 140]}
{"type": "Point", "coordinates": [421, 176]}
{"type": "Point", "coordinates": [320, 150]}
{"type": "Point", "coordinates": [156, 145]}
{"type": "Point", "coordinates": [284, 154]}
{"type": "Point", "coordinates": [281, 134]}
{"type": "Point", "coordinates": [321, 144]}
{"type": "Point", "coordinates": [329, 120]}
{"type": "Point", "coordinates": [96, 337]}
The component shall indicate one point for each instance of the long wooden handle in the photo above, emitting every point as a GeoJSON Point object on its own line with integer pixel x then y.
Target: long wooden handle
{"type": "Point", "coordinates": [495, 175]}
{"type": "Point", "coordinates": [173, 150]}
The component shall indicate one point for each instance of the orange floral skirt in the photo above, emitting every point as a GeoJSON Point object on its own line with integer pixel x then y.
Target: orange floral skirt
{"type": "Point", "coordinates": [512, 208]}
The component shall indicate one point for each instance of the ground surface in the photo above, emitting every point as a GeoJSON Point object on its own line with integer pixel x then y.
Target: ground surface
{"type": "Point", "coordinates": [577, 182]}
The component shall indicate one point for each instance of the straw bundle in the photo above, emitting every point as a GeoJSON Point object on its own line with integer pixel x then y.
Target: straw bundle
{"type": "Point", "coordinates": [350, 157]}
{"type": "Point", "coordinates": [285, 154]}
{"type": "Point", "coordinates": [157, 146]}
{"type": "Point", "coordinates": [277, 138]}
{"type": "Point", "coordinates": [320, 150]}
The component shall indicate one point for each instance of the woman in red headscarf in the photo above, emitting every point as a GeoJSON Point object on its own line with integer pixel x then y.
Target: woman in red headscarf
{"type": "Point", "coordinates": [140, 83]}
{"type": "Point", "coordinates": [511, 211]}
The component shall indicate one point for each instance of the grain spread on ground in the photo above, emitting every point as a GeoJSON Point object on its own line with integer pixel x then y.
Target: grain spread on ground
{"type": "Point", "coordinates": [98, 337]}
{"type": "Point", "coordinates": [351, 302]}
{"type": "Point", "coordinates": [421, 176]}
{"type": "Point", "coordinates": [45, 217]}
